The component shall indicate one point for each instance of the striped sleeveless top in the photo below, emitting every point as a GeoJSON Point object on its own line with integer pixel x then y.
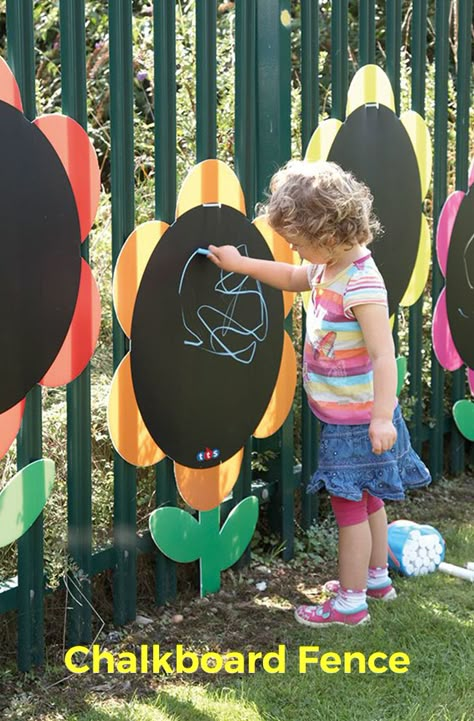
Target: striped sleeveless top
{"type": "Point", "coordinates": [337, 372]}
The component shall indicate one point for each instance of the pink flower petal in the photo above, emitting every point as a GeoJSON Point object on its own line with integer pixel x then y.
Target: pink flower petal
{"type": "Point", "coordinates": [445, 227]}
{"type": "Point", "coordinates": [471, 175]}
{"type": "Point", "coordinates": [443, 344]}
{"type": "Point", "coordinates": [470, 378]}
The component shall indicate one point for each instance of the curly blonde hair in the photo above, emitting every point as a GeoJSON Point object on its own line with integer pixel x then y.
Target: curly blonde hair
{"type": "Point", "coordinates": [321, 204]}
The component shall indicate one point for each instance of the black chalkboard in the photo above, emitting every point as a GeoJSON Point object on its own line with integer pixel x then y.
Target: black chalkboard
{"type": "Point", "coordinates": [40, 262]}
{"type": "Point", "coordinates": [205, 344]}
{"type": "Point", "coordinates": [374, 145]}
{"type": "Point", "coordinates": [460, 280]}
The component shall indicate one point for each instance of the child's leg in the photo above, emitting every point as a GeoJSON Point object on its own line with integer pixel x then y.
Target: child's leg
{"type": "Point", "coordinates": [379, 532]}
{"type": "Point", "coordinates": [379, 584]}
{"type": "Point", "coordinates": [355, 541]}
{"type": "Point", "coordinates": [355, 544]}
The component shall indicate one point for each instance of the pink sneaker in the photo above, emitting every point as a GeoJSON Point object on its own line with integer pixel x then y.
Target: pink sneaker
{"type": "Point", "coordinates": [327, 615]}
{"type": "Point", "coordinates": [387, 593]}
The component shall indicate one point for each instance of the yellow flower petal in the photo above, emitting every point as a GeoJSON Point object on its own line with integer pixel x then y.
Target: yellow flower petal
{"type": "Point", "coordinates": [421, 270]}
{"type": "Point", "coordinates": [370, 85]}
{"type": "Point", "coordinates": [322, 140]}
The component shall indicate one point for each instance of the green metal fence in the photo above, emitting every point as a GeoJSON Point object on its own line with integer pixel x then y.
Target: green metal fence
{"type": "Point", "coordinates": [277, 47]}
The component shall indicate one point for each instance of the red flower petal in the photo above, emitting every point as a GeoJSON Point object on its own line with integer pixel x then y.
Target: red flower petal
{"type": "Point", "coordinates": [10, 422]}
{"type": "Point", "coordinates": [79, 158]}
{"type": "Point", "coordinates": [9, 90]}
{"type": "Point", "coordinates": [81, 339]}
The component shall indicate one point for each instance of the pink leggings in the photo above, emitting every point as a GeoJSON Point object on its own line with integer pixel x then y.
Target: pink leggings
{"type": "Point", "coordinates": [350, 513]}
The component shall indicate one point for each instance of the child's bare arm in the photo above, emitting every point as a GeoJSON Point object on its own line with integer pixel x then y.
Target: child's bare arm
{"type": "Point", "coordinates": [283, 276]}
{"type": "Point", "coordinates": [378, 339]}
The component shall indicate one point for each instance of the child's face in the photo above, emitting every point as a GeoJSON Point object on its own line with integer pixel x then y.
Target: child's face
{"type": "Point", "coordinates": [306, 251]}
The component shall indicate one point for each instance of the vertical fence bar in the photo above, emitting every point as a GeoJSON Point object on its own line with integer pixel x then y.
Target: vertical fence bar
{"type": "Point", "coordinates": [123, 212]}
{"type": "Point", "coordinates": [245, 164]}
{"type": "Point", "coordinates": [464, 65]}
{"type": "Point", "coordinates": [439, 195]}
{"type": "Point", "coordinates": [309, 122]}
{"type": "Point", "coordinates": [366, 32]}
{"type": "Point", "coordinates": [30, 644]}
{"type": "Point", "coordinates": [393, 35]}
{"type": "Point", "coordinates": [273, 150]}
{"type": "Point", "coordinates": [246, 101]}
{"type": "Point", "coordinates": [393, 46]}
{"type": "Point", "coordinates": [415, 322]}
{"type": "Point", "coordinates": [206, 126]}
{"type": "Point", "coordinates": [165, 202]}
{"type": "Point", "coordinates": [339, 66]}
{"type": "Point", "coordinates": [309, 69]}
{"type": "Point", "coordinates": [74, 104]}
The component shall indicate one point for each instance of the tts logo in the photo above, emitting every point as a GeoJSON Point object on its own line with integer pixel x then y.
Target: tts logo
{"type": "Point", "coordinates": [208, 454]}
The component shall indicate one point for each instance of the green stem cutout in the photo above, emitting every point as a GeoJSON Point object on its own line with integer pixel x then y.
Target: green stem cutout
{"type": "Point", "coordinates": [183, 538]}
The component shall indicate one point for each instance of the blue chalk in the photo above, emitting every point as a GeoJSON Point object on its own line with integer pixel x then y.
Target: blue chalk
{"type": "Point", "coordinates": [203, 251]}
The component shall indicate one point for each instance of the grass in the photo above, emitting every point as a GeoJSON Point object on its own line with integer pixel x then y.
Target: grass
{"type": "Point", "coordinates": [432, 621]}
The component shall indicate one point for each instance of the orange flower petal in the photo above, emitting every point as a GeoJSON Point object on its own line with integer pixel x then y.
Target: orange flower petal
{"type": "Point", "coordinates": [206, 488]}
{"type": "Point", "coordinates": [211, 181]}
{"type": "Point", "coordinates": [126, 427]}
{"type": "Point", "coordinates": [284, 391]}
{"type": "Point", "coordinates": [130, 267]}
{"type": "Point", "coordinates": [282, 253]}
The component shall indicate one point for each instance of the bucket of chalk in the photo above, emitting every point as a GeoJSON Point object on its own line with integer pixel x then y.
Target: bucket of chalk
{"type": "Point", "coordinates": [414, 549]}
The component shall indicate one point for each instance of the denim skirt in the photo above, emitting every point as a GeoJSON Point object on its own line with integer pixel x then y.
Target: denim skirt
{"type": "Point", "coordinates": [347, 465]}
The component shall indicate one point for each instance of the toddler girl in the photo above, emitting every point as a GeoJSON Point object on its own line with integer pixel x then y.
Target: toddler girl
{"type": "Point", "coordinates": [349, 371]}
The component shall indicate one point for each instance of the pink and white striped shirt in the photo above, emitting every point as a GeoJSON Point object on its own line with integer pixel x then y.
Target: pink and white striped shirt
{"type": "Point", "coordinates": [337, 372]}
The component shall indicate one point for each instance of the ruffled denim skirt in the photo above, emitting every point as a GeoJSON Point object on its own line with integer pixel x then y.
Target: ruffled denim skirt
{"type": "Point", "coordinates": [347, 466]}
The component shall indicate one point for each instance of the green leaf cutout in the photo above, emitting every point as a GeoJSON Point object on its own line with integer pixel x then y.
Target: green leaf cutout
{"type": "Point", "coordinates": [401, 372]}
{"type": "Point", "coordinates": [23, 499]}
{"type": "Point", "coordinates": [180, 537]}
{"type": "Point", "coordinates": [176, 533]}
{"type": "Point", "coordinates": [463, 413]}
{"type": "Point", "coordinates": [238, 530]}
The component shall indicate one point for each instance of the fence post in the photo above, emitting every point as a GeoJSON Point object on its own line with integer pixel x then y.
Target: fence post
{"type": "Point", "coordinates": [74, 104]}
{"type": "Point", "coordinates": [165, 202]}
{"type": "Point", "coordinates": [206, 127]}
{"type": "Point", "coordinates": [439, 196]}
{"type": "Point", "coordinates": [123, 220]}
{"type": "Point", "coordinates": [415, 321]}
{"type": "Point", "coordinates": [30, 645]}
{"type": "Point", "coordinates": [366, 32]}
{"type": "Point", "coordinates": [309, 123]}
{"type": "Point", "coordinates": [273, 150]}
{"type": "Point", "coordinates": [464, 65]}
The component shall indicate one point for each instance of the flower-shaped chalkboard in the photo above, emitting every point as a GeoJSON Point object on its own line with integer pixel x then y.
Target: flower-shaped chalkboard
{"type": "Point", "coordinates": [392, 156]}
{"type": "Point", "coordinates": [453, 318]}
{"type": "Point", "coordinates": [209, 364]}
{"type": "Point", "coordinates": [49, 301]}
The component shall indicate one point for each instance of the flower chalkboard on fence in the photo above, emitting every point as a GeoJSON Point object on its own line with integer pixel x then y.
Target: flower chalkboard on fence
{"type": "Point", "coordinates": [49, 301]}
{"type": "Point", "coordinates": [453, 318]}
{"type": "Point", "coordinates": [210, 363]}
{"type": "Point", "coordinates": [392, 156]}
